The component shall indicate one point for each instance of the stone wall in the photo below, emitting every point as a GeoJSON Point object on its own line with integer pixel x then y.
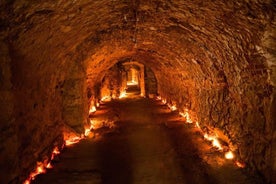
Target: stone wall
{"type": "Point", "coordinates": [150, 82]}
{"type": "Point", "coordinates": [269, 52]}
{"type": "Point", "coordinates": [37, 112]}
{"type": "Point", "coordinates": [36, 96]}
{"type": "Point", "coordinates": [74, 98]}
{"type": "Point", "coordinates": [112, 82]}
{"type": "Point", "coordinates": [9, 167]}
{"type": "Point", "coordinates": [243, 118]}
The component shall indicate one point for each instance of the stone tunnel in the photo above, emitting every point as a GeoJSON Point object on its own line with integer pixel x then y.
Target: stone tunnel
{"type": "Point", "coordinates": [59, 58]}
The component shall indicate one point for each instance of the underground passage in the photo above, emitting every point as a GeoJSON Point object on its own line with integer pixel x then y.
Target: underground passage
{"type": "Point", "coordinates": [138, 91]}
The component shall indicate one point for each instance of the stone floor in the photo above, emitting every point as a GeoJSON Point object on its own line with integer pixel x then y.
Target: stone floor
{"type": "Point", "coordinates": [149, 145]}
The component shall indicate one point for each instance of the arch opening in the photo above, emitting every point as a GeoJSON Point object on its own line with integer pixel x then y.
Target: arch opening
{"type": "Point", "coordinates": [133, 80]}
{"type": "Point", "coordinates": [121, 80]}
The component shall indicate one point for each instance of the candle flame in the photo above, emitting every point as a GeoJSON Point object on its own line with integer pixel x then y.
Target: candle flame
{"type": "Point", "coordinates": [240, 164]}
{"type": "Point", "coordinates": [123, 94]}
{"type": "Point", "coordinates": [49, 166]}
{"type": "Point", "coordinates": [214, 141]}
{"type": "Point", "coordinates": [87, 132]}
{"type": "Point", "coordinates": [92, 109]}
{"type": "Point", "coordinates": [172, 107]}
{"type": "Point", "coordinates": [106, 98]}
{"type": "Point", "coordinates": [72, 141]}
{"type": "Point", "coordinates": [186, 115]}
{"type": "Point", "coordinates": [229, 155]}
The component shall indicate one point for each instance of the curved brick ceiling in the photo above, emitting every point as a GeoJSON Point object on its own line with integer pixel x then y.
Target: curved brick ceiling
{"type": "Point", "coordinates": [192, 38]}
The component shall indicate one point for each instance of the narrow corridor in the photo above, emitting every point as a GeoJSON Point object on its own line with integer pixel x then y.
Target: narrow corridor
{"type": "Point", "coordinates": [149, 144]}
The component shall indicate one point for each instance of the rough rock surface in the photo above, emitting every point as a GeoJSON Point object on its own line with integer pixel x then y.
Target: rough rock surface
{"type": "Point", "coordinates": [151, 83]}
{"type": "Point", "coordinates": [216, 58]}
{"type": "Point", "coordinates": [111, 83]}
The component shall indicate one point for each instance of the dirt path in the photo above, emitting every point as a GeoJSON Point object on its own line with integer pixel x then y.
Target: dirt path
{"type": "Point", "coordinates": [149, 145]}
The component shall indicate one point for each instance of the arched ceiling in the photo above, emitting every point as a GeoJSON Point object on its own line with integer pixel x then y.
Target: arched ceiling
{"type": "Point", "coordinates": [194, 38]}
